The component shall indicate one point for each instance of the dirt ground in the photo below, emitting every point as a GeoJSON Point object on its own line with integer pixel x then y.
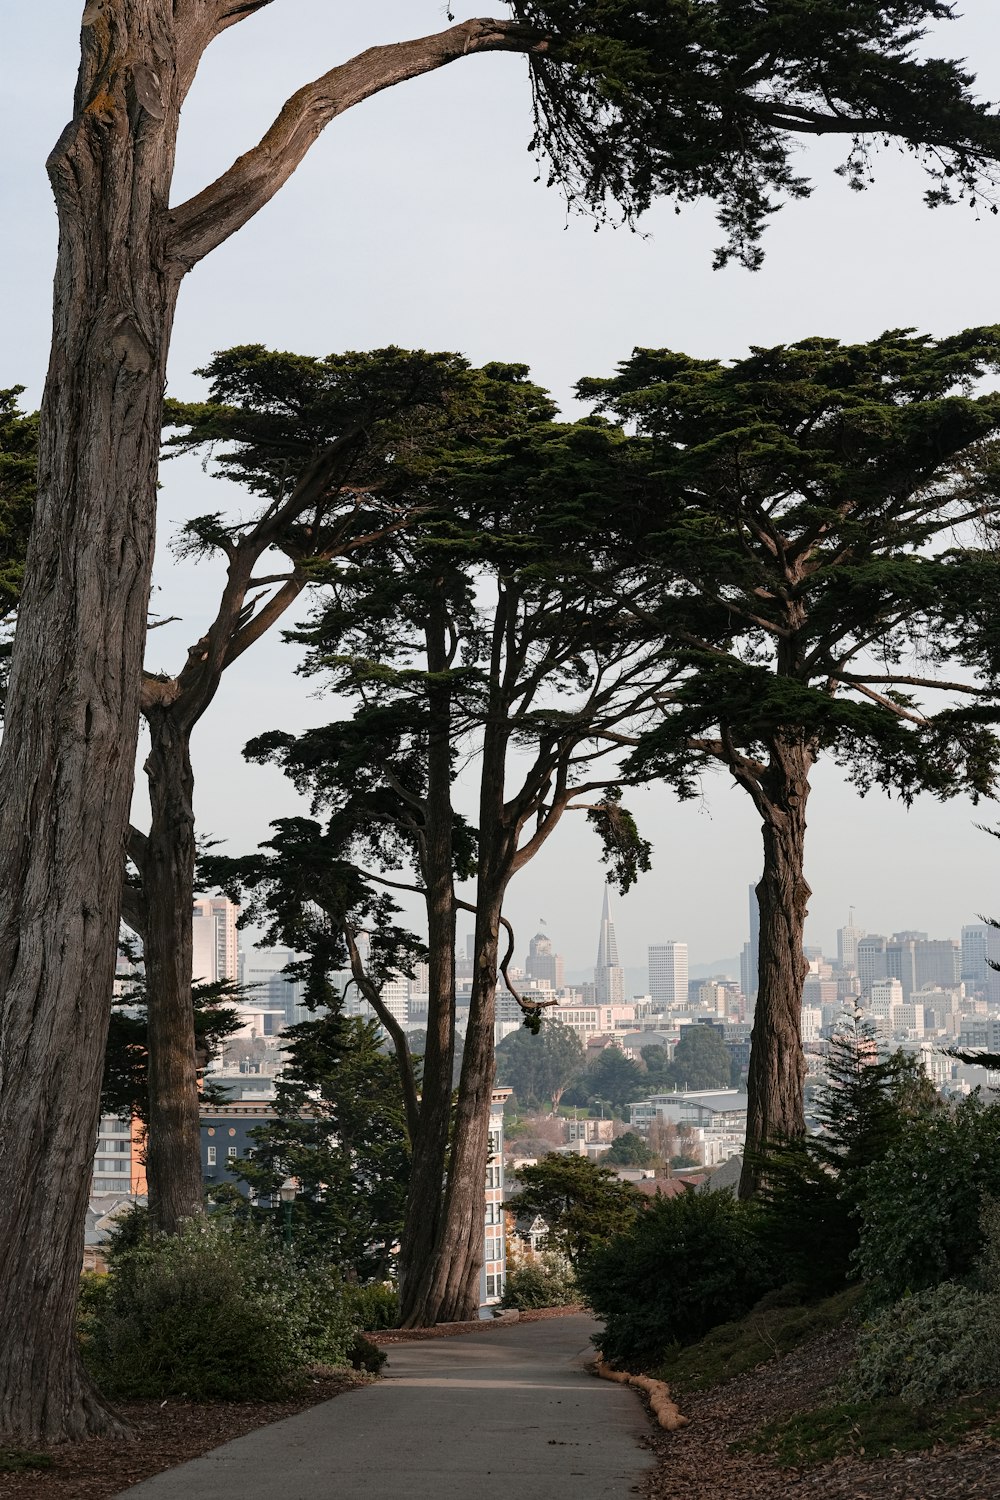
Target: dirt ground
{"type": "Point", "coordinates": [697, 1463]}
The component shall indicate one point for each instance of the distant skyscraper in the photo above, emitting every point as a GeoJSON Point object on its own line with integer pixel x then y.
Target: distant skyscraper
{"type": "Point", "coordinates": [214, 954]}
{"type": "Point", "coordinates": [668, 973]}
{"type": "Point", "coordinates": [847, 944]}
{"type": "Point", "coordinates": [262, 975]}
{"type": "Point", "coordinates": [609, 976]}
{"type": "Point", "coordinates": [750, 961]}
{"type": "Point", "coordinates": [938, 963]}
{"type": "Point", "coordinates": [975, 951]}
{"type": "Point", "coordinates": [544, 966]}
{"type": "Point", "coordinates": [872, 961]}
{"type": "Point", "coordinates": [901, 959]}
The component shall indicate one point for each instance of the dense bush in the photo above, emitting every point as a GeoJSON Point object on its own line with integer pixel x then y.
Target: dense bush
{"type": "Point", "coordinates": [921, 1211]}
{"type": "Point", "coordinates": [685, 1265]}
{"type": "Point", "coordinates": [812, 1189]}
{"type": "Point", "coordinates": [374, 1306]}
{"type": "Point", "coordinates": [366, 1355]}
{"type": "Point", "coordinates": [543, 1283]}
{"type": "Point", "coordinates": [219, 1311]}
{"type": "Point", "coordinates": [938, 1344]}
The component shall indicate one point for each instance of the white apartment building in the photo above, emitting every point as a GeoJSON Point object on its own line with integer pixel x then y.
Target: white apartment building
{"type": "Point", "coordinates": [907, 1020]}
{"type": "Point", "coordinates": [668, 973]}
{"type": "Point", "coordinates": [494, 1273]}
{"type": "Point", "coordinates": [812, 1024]}
{"type": "Point", "coordinates": [215, 954]}
{"type": "Point", "coordinates": [883, 995]}
{"type": "Point", "coordinates": [113, 1158]}
{"type": "Point", "coordinates": [596, 1020]}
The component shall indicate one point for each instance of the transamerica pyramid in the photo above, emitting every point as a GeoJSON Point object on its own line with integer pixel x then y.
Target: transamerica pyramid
{"type": "Point", "coordinates": [609, 977]}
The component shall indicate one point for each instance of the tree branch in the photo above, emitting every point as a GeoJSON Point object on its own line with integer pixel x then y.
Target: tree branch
{"type": "Point", "coordinates": [927, 682]}
{"type": "Point", "coordinates": [202, 223]}
{"type": "Point", "coordinates": [894, 708]}
{"type": "Point", "coordinates": [232, 12]}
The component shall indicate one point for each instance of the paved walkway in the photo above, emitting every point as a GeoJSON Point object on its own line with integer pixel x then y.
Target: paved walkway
{"type": "Point", "coordinates": [511, 1411]}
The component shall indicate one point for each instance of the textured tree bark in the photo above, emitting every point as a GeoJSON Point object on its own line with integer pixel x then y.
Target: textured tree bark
{"type": "Point", "coordinates": [777, 1064]}
{"type": "Point", "coordinates": [456, 1283]}
{"type": "Point", "coordinates": [66, 763]}
{"type": "Point", "coordinates": [173, 1143]}
{"type": "Point", "coordinates": [71, 725]}
{"type": "Point", "coordinates": [419, 1246]}
{"type": "Point", "coordinates": [453, 1283]}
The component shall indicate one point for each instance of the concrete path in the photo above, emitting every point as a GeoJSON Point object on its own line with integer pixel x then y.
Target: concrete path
{"type": "Point", "coordinates": [510, 1412]}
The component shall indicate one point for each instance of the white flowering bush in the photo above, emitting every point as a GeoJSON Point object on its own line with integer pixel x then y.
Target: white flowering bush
{"type": "Point", "coordinates": [219, 1311]}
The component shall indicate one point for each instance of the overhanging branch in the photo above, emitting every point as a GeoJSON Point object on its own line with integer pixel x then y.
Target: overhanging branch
{"type": "Point", "coordinates": [202, 223]}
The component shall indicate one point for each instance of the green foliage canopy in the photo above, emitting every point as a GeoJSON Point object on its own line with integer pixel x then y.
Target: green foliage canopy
{"type": "Point", "coordinates": [705, 98]}
{"type": "Point", "coordinates": [629, 1150]}
{"type": "Point", "coordinates": [340, 1133]}
{"type": "Point", "coordinates": [539, 1068]}
{"type": "Point", "coordinates": [583, 1204]}
{"type": "Point", "coordinates": [701, 1060]}
{"type": "Point", "coordinates": [813, 1189]}
{"type": "Point", "coordinates": [795, 499]}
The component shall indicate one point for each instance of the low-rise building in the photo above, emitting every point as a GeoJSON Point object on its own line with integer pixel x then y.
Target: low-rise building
{"type": "Point", "coordinates": [717, 1117]}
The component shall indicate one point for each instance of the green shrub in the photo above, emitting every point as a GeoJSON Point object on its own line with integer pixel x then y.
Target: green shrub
{"type": "Point", "coordinates": [811, 1188]}
{"type": "Point", "coordinates": [364, 1355]}
{"type": "Point", "coordinates": [686, 1265]}
{"type": "Point", "coordinates": [374, 1306]}
{"type": "Point", "coordinates": [219, 1311]}
{"type": "Point", "coordinates": [544, 1283]}
{"type": "Point", "coordinates": [938, 1344]}
{"type": "Point", "coordinates": [920, 1212]}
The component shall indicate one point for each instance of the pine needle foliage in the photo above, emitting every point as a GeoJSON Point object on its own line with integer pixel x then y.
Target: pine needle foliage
{"type": "Point", "coordinates": [813, 1188]}
{"type": "Point", "coordinates": [693, 99]}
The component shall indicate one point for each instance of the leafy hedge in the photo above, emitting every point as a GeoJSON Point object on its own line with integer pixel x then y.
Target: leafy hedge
{"type": "Point", "coordinates": [687, 1264]}
{"type": "Point", "coordinates": [219, 1311]}
{"type": "Point", "coordinates": [922, 1205]}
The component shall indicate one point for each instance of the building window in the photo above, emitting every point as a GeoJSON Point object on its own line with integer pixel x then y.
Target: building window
{"type": "Point", "coordinates": [230, 1151]}
{"type": "Point", "coordinates": [211, 1156]}
{"type": "Point", "coordinates": [491, 1286]}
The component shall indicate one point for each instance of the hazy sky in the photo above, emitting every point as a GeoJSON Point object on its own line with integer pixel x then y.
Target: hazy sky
{"type": "Point", "coordinates": [416, 221]}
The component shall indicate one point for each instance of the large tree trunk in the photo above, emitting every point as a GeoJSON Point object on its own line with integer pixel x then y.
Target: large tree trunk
{"type": "Point", "coordinates": [419, 1246]}
{"type": "Point", "coordinates": [173, 1149]}
{"type": "Point", "coordinates": [777, 1065]}
{"type": "Point", "coordinates": [455, 1291]}
{"type": "Point", "coordinates": [66, 765]}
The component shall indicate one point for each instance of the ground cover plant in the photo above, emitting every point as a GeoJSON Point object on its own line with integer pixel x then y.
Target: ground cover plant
{"type": "Point", "coordinates": [779, 1323]}
{"type": "Point", "coordinates": [872, 1429]}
